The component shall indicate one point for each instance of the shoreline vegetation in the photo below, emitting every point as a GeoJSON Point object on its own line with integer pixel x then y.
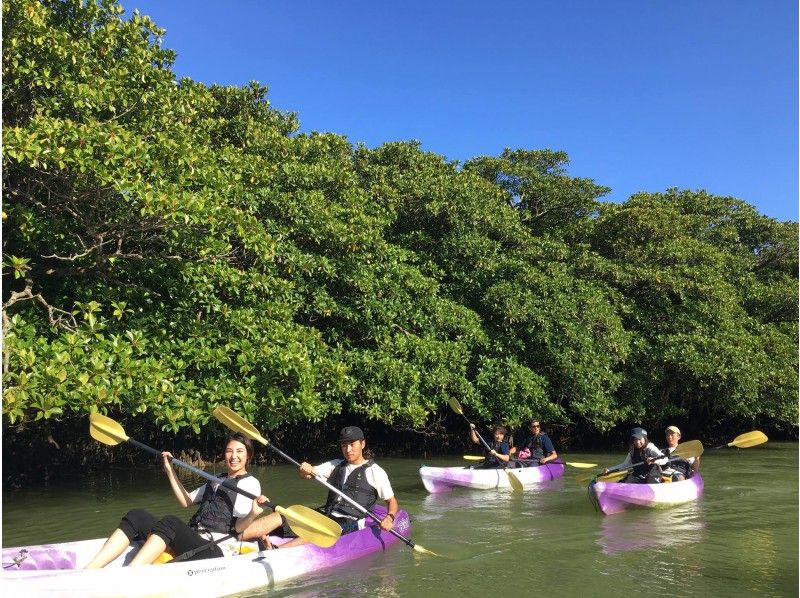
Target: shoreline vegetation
{"type": "Point", "coordinates": [169, 246]}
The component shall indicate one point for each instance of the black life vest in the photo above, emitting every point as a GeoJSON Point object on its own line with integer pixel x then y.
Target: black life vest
{"type": "Point", "coordinates": [643, 470]}
{"type": "Point", "coordinates": [491, 461]}
{"type": "Point", "coordinates": [355, 486]}
{"type": "Point", "coordinates": [535, 445]}
{"type": "Point", "coordinates": [216, 507]}
{"type": "Point", "coordinates": [681, 466]}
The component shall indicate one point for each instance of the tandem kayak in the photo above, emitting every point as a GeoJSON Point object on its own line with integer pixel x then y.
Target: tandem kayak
{"type": "Point", "coordinates": [442, 479]}
{"type": "Point", "coordinates": [56, 569]}
{"type": "Point", "coordinates": [613, 497]}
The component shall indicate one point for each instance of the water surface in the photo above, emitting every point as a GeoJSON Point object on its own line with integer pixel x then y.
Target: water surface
{"type": "Point", "coordinates": [740, 539]}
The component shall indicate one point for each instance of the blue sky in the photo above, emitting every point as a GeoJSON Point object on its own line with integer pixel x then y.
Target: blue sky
{"type": "Point", "coordinates": [643, 96]}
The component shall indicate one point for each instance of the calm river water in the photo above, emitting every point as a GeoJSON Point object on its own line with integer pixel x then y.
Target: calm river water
{"type": "Point", "coordinates": [741, 539]}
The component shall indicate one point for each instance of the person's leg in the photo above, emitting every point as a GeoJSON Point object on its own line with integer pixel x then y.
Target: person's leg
{"type": "Point", "coordinates": [179, 538]}
{"type": "Point", "coordinates": [151, 550]}
{"type": "Point", "coordinates": [136, 524]}
{"type": "Point", "coordinates": [262, 527]}
{"type": "Point", "coordinates": [115, 545]}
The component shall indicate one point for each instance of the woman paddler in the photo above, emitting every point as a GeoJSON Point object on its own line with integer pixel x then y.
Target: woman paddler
{"type": "Point", "coordinates": [222, 511]}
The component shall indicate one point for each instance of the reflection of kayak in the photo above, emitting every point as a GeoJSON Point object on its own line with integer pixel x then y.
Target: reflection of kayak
{"type": "Point", "coordinates": [55, 569]}
{"type": "Point", "coordinates": [442, 479]}
{"type": "Point", "coordinates": [613, 497]}
{"type": "Point", "coordinates": [652, 528]}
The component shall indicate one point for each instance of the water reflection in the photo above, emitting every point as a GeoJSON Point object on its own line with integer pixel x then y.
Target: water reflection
{"type": "Point", "coordinates": [652, 528]}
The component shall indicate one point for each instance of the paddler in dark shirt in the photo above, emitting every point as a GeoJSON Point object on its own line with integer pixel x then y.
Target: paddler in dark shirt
{"type": "Point", "coordinates": [499, 450]}
{"type": "Point", "coordinates": [536, 446]}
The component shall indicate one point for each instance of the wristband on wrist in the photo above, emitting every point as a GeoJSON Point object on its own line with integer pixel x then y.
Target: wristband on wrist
{"type": "Point", "coordinates": [390, 515]}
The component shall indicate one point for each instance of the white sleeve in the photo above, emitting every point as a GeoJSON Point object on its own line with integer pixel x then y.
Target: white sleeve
{"type": "Point", "coordinates": [378, 478]}
{"type": "Point", "coordinates": [651, 450]}
{"type": "Point", "coordinates": [326, 469]}
{"type": "Point", "coordinates": [243, 504]}
{"type": "Point", "coordinates": [196, 495]}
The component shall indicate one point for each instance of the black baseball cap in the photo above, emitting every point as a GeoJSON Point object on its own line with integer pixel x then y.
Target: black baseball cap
{"type": "Point", "coordinates": [638, 433]}
{"type": "Point", "coordinates": [350, 433]}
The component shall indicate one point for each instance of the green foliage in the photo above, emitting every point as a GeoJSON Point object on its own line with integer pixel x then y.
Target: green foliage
{"type": "Point", "coordinates": [170, 245]}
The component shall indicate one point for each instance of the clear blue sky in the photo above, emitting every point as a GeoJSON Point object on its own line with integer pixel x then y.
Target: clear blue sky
{"type": "Point", "coordinates": [643, 96]}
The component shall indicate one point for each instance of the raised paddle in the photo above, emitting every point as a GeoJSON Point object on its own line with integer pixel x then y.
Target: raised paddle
{"type": "Point", "coordinates": [570, 463]}
{"type": "Point", "coordinates": [685, 450]}
{"type": "Point", "coordinates": [306, 523]}
{"type": "Point", "coordinates": [234, 421]}
{"type": "Point", "coordinates": [516, 485]}
{"type": "Point", "coordinates": [746, 440]}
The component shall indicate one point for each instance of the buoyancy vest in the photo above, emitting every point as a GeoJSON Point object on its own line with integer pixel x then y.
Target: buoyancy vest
{"type": "Point", "coordinates": [216, 507]}
{"type": "Point", "coordinates": [491, 461]}
{"type": "Point", "coordinates": [355, 486]}
{"type": "Point", "coordinates": [679, 465]}
{"type": "Point", "coordinates": [535, 445]}
{"type": "Point", "coordinates": [640, 456]}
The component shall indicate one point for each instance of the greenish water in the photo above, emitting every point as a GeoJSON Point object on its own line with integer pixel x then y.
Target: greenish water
{"type": "Point", "coordinates": [740, 539]}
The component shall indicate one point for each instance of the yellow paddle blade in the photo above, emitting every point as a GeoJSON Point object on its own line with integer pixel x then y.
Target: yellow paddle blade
{"type": "Point", "coordinates": [516, 485]}
{"type": "Point", "coordinates": [421, 550]}
{"type": "Point", "coordinates": [455, 405]}
{"type": "Point", "coordinates": [614, 476]}
{"type": "Point", "coordinates": [106, 430]}
{"type": "Point", "coordinates": [311, 525]}
{"type": "Point", "coordinates": [234, 421]}
{"type": "Point", "coordinates": [749, 439]}
{"type": "Point", "coordinates": [473, 457]}
{"type": "Point", "coordinates": [686, 450]}
{"type": "Point", "coordinates": [582, 465]}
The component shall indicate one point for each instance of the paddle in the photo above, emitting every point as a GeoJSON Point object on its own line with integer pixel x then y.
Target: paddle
{"type": "Point", "coordinates": [516, 485]}
{"type": "Point", "coordinates": [746, 440]}
{"type": "Point", "coordinates": [306, 523]}
{"type": "Point", "coordinates": [577, 465]}
{"type": "Point", "coordinates": [685, 450]}
{"type": "Point", "coordinates": [234, 421]}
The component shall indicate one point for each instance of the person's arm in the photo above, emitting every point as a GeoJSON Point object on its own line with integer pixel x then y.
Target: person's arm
{"type": "Point", "coordinates": [503, 454]}
{"type": "Point", "coordinates": [244, 509]}
{"type": "Point", "coordinates": [256, 509]}
{"type": "Point", "coordinates": [550, 453]}
{"type": "Point", "coordinates": [696, 464]}
{"type": "Point", "coordinates": [391, 512]}
{"type": "Point", "coordinates": [622, 465]}
{"type": "Point", "coordinates": [180, 492]}
{"type": "Point", "coordinates": [472, 435]}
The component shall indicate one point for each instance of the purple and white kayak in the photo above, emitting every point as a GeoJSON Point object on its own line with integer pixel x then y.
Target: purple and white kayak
{"type": "Point", "coordinates": [56, 569]}
{"type": "Point", "coordinates": [613, 497]}
{"type": "Point", "coordinates": [442, 479]}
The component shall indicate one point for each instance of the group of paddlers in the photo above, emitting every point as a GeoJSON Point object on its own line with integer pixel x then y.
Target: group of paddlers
{"type": "Point", "coordinates": [648, 463]}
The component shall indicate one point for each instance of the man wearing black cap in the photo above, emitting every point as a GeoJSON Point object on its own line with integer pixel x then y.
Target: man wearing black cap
{"type": "Point", "coordinates": [361, 479]}
{"type": "Point", "coordinates": [643, 455]}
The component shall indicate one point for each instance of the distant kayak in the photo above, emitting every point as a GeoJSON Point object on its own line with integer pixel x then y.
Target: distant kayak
{"type": "Point", "coordinates": [614, 497]}
{"type": "Point", "coordinates": [56, 569]}
{"type": "Point", "coordinates": [442, 479]}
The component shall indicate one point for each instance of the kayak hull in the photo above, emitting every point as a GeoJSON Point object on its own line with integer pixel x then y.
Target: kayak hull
{"type": "Point", "coordinates": [614, 497]}
{"type": "Point", "coordinates": [444, 479]}
{"type": "Point", "coordinates": [56, 570]}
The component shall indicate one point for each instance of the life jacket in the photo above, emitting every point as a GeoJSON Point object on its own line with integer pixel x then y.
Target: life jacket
{"type": "Point", "coordinates": [491, 461]}
{"type": "Point", "coordinates": [355, 486]}
{"type": "Point", "coordinates": [681, 466]}
{"type": "Point", "coordinates": [216, 508]}
{"type": "Point", "coordinates": [643, 470]}
{"type": "Point", "coordinates": [535, 445]}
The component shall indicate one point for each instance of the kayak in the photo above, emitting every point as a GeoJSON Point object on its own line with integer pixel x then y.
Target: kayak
{"type": "Point", "coordinates": [442, 479]}
{"type": "Point", "coordinates": [56, 569]}
{"type": "Point", "coordinates": [614, 497]}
